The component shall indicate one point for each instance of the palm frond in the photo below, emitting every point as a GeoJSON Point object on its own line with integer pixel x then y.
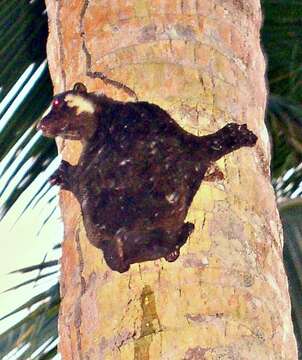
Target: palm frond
{"type": "Point", "coordinates": [22, 41]}
{"type": "Point", "coordinates": [281, 38]}
{"type": "Point", "coordinates": [41, 266]}
{"type": "Point", "coordinates": [291, 215]}
{"type": "Point", "coordinates": [284, 119]}
{"type": "Point", "coordinates": [38, 327]}
{"type": "Point", "coordinates": [25, 93]}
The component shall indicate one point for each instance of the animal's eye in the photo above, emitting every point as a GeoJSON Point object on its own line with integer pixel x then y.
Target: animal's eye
{"type": "Point", "coordinates": [56, 102]}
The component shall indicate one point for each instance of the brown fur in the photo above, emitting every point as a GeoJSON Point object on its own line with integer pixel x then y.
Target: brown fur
{"type": "Point", "coordinates": [137, 174]}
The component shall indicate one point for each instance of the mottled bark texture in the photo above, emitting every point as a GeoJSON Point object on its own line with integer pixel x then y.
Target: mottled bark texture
{"type": "Point", "coordinates": [226, 296]}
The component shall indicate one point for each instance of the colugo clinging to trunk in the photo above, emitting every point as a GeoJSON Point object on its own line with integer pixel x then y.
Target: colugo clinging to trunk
{"type": "Point", "coordinates": [137, 174]}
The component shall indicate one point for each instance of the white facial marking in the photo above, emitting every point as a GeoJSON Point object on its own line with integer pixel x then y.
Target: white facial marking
{"type": "Point", "coordinates": [82, 104]}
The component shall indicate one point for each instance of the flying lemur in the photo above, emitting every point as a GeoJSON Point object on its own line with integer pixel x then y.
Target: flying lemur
{"type": "Point", "coordinates": [137, 174]}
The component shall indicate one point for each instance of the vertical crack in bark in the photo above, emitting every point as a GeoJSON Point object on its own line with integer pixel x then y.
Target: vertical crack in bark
{"type": "Point", "coordinates": [150, 324]}
{"type": "Point", "coordinates": [98, 74]}
{"type": "Point", "coordinates": [196, 6]}
{"type": "Point", "coordinates": [182, 6]}
{"type": "Point", "coordinates": [239, 177]}
{"type": "Point", "coordinates": [60, 37]}
{"type": "Point", "coordinates": [63, 318]}
{"type": "Point", "coordinates": [78, 309]}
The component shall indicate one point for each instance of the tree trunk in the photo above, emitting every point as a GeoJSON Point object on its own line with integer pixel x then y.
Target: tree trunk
{"type": "Point", "coordinates": [226, 296]}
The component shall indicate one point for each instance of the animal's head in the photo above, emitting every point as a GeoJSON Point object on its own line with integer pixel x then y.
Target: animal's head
{"type": "Point", "coordinates": [71, 115]}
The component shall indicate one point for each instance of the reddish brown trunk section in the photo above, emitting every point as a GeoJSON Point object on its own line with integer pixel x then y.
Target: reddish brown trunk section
{"type": "Point", "coordinates": [226, 296]}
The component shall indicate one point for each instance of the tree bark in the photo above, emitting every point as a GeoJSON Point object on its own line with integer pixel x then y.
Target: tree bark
{"type": "Point", "coordinates": [226, 296]}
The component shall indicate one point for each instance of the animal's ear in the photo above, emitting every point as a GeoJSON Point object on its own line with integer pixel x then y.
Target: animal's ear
{"type": "Point", "coordinates": [79, 88]}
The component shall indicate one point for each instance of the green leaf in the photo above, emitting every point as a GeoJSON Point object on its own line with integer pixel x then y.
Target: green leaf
{"type": "Point", "coordinates": [284, 119]}
{"type": "Point", "coordinates": [49, 355]}
{"type": "Point", "coordinates": [33, 280]}
{"type": "Point", "coordinates": [23, 39]}
{"type": "Point", "coordinates": [291, 215]}
{"type": "Point", "coordinates": [35, 329]}
{"type": "Point", "coordinates": [51, 292]}
{"type": "Point", "coordinates": [39, 164]}
{"type": "Point", "coordinates": [43, 265]}
{"type": "Point", "coordinates": [28, 112]}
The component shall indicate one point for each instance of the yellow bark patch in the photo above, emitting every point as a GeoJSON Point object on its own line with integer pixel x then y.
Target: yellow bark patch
{"type": "Point", "coordinates": [82, 104]}
{"type": "Point", "coordinates": [141, 8]}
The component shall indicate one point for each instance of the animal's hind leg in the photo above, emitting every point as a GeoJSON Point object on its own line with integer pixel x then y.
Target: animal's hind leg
{"type": "Point", "coordinates": [131, 247]}
{"type": "Point", "coordinates": [151, 245]}
{"type": "Point", "coordinates": [230, 138]}
{"type": "Point", "coordinates": [155, 244]}
{"type": "Point", "coordinates": [62, 176]}
{"type": "Point", "coordinates": [186, 230]}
